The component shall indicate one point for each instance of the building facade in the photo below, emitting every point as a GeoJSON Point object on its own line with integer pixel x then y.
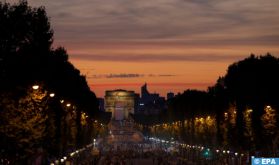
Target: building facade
{"type": "Point", "coordinates": [120, 103]}
{"type": "Point", "coordinates": [150, 103]}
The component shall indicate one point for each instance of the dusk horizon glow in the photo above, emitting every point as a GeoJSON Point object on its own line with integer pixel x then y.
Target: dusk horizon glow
{"type": "Point", "coordinates": [171, 45]}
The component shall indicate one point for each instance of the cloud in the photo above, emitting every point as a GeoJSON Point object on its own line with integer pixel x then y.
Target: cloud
{"type": "Point", "coordinates": [128, 75]}
{"type": "Point", "coordinates": [161, 75]}
{"type": "Point", "coordinates": [81, 25]}
{"type": "Point", "coordinates": [205, 84]}
{"type": "Point", "coordinates": [121, 75]}
{"type": "Point", "coordinates": [154, 58]}
{"type": "Point", "coordinates": [166, 75]}
{"type": "Point", "coordinates": [159, 19]}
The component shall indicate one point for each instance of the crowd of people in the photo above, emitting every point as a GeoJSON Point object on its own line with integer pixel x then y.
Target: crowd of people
{"type": "Point", "coordinates": [133, 154]}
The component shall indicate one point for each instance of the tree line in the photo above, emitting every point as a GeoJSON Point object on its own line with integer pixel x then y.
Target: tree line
{"type": "Point", "coordinates": [60, 113]}
{"type": "Point", "coordinates": [240, 111]}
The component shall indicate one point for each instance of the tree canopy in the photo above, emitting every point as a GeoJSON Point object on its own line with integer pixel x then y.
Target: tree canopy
{"type": "Point", "coordinates": [27, 56]}
{"type": "Point", "coordinates": [31, 117]}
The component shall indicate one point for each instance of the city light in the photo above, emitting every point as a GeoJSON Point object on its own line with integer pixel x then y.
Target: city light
{"type": "Point", "coordinates": [268, 106]}
{"type": "Point", "coordinates": [68, 105]}
{"type": "Point", "coordinates": [35, 87]}
{"type": "Point", "coordinates": [249, 110]}
{"type": "Point", "coordinates": [52, 95]}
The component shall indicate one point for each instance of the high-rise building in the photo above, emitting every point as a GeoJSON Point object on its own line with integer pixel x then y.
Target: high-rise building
{"type": "Point", "coordinates": [144, 91]}
{"type": "Point", "coordinates": [150, 103]}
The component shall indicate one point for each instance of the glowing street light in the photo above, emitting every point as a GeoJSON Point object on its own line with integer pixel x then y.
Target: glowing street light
{"type": "Point", "coordinates": [52, 95]}
{"type": "Point", "coordinates": [250, 110]}
{"type": "Point", "coordinates": [35, 87]}
{"type": "Point", "coordinates": [68, 105]}
{"type": "Point", "coordinates": [268, 106]}
{"type": "Point", "coordinates": [61, 101]}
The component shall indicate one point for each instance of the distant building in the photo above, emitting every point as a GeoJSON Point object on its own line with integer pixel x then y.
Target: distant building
{"type": "Point", "coordinates": [170, 95]}
{"type": "Point", "coordinates": [120, 103]}
{"type": "Point", "coordinates": [101, 104]}
{"type": "Point", "coordinates": [137, 102]}
{"type": "Point", "coordinates": [150, 103]}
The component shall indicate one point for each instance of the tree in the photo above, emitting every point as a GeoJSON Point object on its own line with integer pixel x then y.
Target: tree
{"type": "Point", "coordinates": [253, 83]}
{"type": "Point", "coordinates": [27, 58]}
{"type": "Point", "coordinates": [23, 121]}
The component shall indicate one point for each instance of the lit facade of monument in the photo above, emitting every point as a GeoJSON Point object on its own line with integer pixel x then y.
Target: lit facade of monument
{"type": "Point", "coordinates": [120, 103]}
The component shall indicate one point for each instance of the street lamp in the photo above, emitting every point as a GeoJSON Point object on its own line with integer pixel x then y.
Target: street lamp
{"type": "Point", "coordinates": [51, 94]}
{"type": "Point", "coordinates": [35, 87]}
{"type": "Point", "coordinates": [250, 110]}
{"type": "Point", "coordinates": [68, 105]}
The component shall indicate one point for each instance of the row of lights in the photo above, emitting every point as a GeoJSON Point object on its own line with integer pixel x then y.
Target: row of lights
{"type": "Point", "coordinates": [208, 117]}
{"type": "Point", "coordinates": [194, 146]}
{"type": "Point", "coordinates": [72, 154]}
{"type": "Point", "coordinates": [36, 87]}
{"type": "Point", "coordinates": [179, 122]}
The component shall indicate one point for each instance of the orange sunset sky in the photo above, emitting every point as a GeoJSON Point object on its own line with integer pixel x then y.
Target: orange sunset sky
{"type": "Point", "coordinates": [172, 45]}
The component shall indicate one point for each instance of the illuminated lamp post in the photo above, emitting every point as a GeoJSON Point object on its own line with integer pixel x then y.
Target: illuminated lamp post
{"type": "Point", "coordinates": [35, 87]}
{"type": "Point", "coordinates": [51, 94]}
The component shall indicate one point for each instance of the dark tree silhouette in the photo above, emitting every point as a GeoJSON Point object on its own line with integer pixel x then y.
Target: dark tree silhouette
{"type": "Point", "coordinates": [253, 83]}
{"type": "Point", "coordinates": [27, 58]}
{"type": "Point", "coordinates": [238, 101]}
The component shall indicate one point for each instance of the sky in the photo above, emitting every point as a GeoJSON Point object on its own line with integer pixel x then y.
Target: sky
{"type": "Point", "coordinates": [172, 45]}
